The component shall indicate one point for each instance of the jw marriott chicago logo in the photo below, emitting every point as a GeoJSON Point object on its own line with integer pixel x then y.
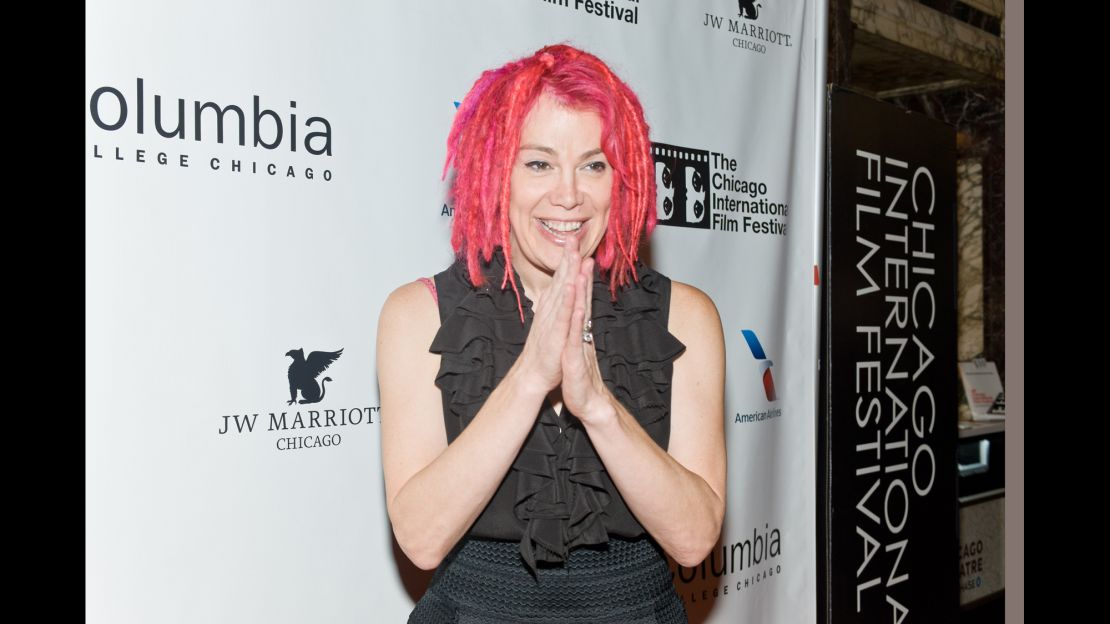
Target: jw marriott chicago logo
{"type": "Point", "coordinates": [313, 428]}
{"type": "Point", "coordinates": [749, 35]}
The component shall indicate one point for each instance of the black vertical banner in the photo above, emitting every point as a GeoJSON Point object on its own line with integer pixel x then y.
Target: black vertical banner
{"type": "Point", "coordinates": [890, 524]}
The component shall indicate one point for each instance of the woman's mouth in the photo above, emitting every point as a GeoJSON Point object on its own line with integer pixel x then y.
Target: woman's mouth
{"type": "Point", "coordinates": [560, 231]}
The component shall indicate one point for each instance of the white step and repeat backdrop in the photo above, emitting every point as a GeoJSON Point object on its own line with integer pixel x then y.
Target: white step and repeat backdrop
{"type": "Point", "coordinates": [260, 175]}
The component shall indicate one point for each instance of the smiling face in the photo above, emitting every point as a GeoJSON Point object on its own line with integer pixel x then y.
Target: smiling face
{"type": "Point", "coordinates": [560, 189]}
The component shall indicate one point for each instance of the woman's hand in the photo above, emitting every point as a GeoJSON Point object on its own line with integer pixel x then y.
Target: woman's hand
{"type": "Point", "coordinates": [540, 360]}
{"type": "Point", "coordinates": [584, 391]}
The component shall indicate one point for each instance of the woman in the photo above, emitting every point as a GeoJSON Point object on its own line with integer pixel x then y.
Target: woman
{"type": "Point", "coordinates": [552, 407]}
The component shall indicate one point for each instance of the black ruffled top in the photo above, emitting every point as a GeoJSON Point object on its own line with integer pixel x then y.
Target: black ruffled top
{"type": "Point", "coordinates": [557, 494]}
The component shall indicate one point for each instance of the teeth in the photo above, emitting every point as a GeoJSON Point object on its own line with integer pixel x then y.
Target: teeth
{"type": "Point", "coordinates": [562, 226]}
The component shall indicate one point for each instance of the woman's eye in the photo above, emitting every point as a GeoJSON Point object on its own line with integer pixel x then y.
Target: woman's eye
{"type": "Point", "coordinates": [597, 166]}
{"type": "Point", "coordinates": [537, 165]}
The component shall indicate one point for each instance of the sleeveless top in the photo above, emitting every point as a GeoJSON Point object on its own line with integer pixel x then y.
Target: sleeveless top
{"type": "Point", "coordinates": [557, 495]}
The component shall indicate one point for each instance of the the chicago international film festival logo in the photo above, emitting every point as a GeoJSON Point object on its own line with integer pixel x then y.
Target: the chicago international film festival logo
{"type": "Point", "coordinates": [764, 366]}
{"type": "Point", "coordinates": [747, 35]}
{"type": "Point", "coordinates": [626, 11]}
{"type": "Point", "coordinates": [181, 135]}
{"type": "Point", "coordinates": [682, 192]}
{"type": "Point", "coordinates": [696, 188]}
{"type": "Point", "coordinates": [311, 428]}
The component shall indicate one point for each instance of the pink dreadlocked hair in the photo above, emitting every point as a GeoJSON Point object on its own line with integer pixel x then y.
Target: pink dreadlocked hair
{"type": "Point", "coordinates": [485, 137]}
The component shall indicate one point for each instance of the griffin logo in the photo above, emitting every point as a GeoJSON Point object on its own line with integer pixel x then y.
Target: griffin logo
{"type": "Point", "coordinates": [681, 185]}
{"type": "Point", "coordinates": [750, 8]}
{"type": "Point", "coordinates": [764, 363]}
{"type": "Point", "coordinates": [303, 373]}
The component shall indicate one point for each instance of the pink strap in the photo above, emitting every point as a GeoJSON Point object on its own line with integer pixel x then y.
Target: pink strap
{"type": "Point", "coordinates": [430, 283]}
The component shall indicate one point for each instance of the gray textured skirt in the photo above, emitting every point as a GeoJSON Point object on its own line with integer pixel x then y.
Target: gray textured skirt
{"type": "Point", "coordinates": [486, 581]}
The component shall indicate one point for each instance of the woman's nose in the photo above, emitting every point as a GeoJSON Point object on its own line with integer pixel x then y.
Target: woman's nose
{"type": "Point", "coordinates": [565, 193]}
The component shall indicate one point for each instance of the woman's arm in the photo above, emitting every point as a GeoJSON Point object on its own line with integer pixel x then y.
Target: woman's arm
{"type": "Point", "coordinates": [435, 491]}
{"type": "Point", "coordinates": [678, 495]}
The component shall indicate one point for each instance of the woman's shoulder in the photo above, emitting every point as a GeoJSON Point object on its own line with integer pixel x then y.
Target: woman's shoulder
{"type": "Point", "coordinates": [693, 315]}
{"type": "Point", "coordinates": [689, 298]}
{"type": "Point", "coordinates": [414, 295]}
{"type": "Point", "coordinates": [411, 306]}
{"type": "Point", "coordinates": [677, 299]}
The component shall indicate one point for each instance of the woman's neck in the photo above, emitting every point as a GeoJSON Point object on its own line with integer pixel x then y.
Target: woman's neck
{"type": "Point", "coordinates": [535, 282]}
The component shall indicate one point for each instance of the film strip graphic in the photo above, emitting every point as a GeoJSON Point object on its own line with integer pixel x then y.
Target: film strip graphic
{"type": "Point", "coordinates": [681, 185]}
